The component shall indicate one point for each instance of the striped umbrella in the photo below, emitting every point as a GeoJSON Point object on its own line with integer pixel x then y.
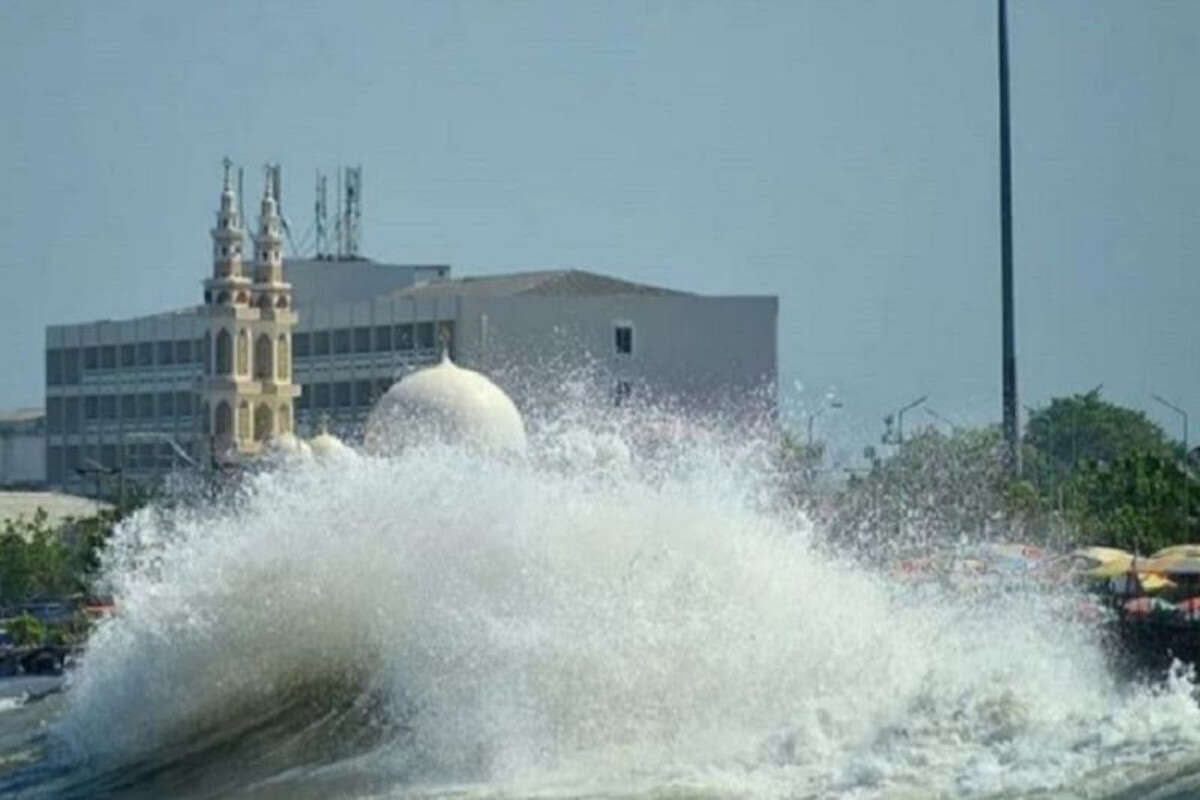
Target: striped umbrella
{"type": "Point", "coordinates": [1190, 608]}
{"type": "Point", "coordinates": [1145, 606]}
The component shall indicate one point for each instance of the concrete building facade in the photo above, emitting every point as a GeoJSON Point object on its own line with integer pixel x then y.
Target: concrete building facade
{"type": "Point", "coordinates": [142, 395]}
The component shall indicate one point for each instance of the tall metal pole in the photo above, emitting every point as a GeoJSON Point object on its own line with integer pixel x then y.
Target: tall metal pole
{"type": "Point", "coordinates": [1183, 414]}
{"type": "Point", "coordinates": [1009, 357]}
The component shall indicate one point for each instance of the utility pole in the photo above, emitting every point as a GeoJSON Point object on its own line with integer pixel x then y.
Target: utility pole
{"type": "Point", "coordinates": [1009, 356]}
{"type": "Point", "coordinates": [1184, 466]}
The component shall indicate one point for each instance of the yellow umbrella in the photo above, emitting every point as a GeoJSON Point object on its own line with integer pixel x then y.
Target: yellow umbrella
{"type": "Point", "coordinates": [1178, 551]}
{"type": "Point", "coordinates": [1104, 562]}
{"type": "Point", "coordinates": [1171, 565]}
{"type": "Point", "coordinates": [1149, 583]}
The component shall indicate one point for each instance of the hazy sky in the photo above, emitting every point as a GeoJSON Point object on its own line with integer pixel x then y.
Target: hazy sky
{"type": "Point", "coordinates": [841, 155]}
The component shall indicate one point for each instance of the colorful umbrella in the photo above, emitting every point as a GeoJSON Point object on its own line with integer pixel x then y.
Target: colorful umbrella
{"type": "Point", "coordinates": [1145, 606]}
{"type": "Point", "coordinates": [1190, 608]}
{"type": "Point", "coordinates": [1178, 551]}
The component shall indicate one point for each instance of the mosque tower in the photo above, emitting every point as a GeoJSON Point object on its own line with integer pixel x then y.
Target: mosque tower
{"type": "Point", "coordinates": [246, 394]}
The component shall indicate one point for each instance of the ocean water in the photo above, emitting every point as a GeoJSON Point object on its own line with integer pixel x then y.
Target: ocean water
{"type": "Point", "coordinates": [603, 618]}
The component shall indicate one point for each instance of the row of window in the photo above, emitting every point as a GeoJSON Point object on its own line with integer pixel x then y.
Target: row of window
{"type": "Point", "coordinates": [66, 414]}
{"type": "Point", "coordinates": [76, 462]}
{"type": "Point", "coordinates": [342, 394]}
{"type": "Point", "coordinates": [377, 339]}
{"type": "Point", "coordinates": [66, 365]}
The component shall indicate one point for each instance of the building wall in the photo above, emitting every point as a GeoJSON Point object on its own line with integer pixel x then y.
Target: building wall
{"type": "Point", "coordinates": [23, 452]}
{"type": "Point", "coordinates": [115, 388]}
{"type": "Point", "coordinates": [707, 354]}
{"type": "Point", "coordinates": [111, 388]}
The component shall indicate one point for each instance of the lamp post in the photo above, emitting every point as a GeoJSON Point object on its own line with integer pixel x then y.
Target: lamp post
{"type": "Point", "coordinates": [1183, 506]}
{"type": "Point", "coordinates": [156, 436]}
{"type": "Point", "coordinates": [1182, 414]}
{"type": "Point", "coordinates": [900, 417]}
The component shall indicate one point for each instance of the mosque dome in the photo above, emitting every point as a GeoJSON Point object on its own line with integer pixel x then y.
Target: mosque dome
{"type": "Point", "coordinates": [449, 404]}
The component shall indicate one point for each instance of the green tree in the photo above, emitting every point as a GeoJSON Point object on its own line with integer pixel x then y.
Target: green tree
{"type": "Point", "coordinates": [1081, 429]}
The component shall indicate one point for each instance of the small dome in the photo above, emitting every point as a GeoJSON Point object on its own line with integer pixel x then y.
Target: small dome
{"type": "Point", "coordinates": [285, 445]}
{"type": "Point", "coordinates": [449, 404]}
{"type": "Point", "coordinates": [326, 445]}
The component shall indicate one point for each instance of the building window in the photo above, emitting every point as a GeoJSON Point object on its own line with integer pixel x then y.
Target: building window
{"type": "Point", "coordinates": [183, 351]}
{"type": "Point", "coordinates": [362, 340]}
{"type": "Point", "coordinates": [128, 406]}
{"type": "Point", "coordinates": [71, 372]}
{"type": "Point", "coordinates": [381, 386]}
{"type": "Point", "coordinates": [128, 356]}
{"type": "Point", "coordinates": [53, 367]}
{"type": "Point", "coordinates": [224, 360]}
{"type": "Point", "coordinates": [362, 393]}
{"type": "Point", "coordinates": [71, 414]}
{"type": "Point", "coordinates": [341, 394]}
{"type": "Point", "coordinates": [321, 343]}
{"type": "Point", "coordinates": [54, 465]}
{"type": "Point", "coordinates": [108, 406]}
{"type": "Point", "coordinates": [321, 395]}
{"type": "Point", "coordinates": [300, 345]}
{"type": "Point", "coordinates": [624, 339]}
{"type": "Point", "coordinates": [341, 340]}
{"type": "Point", "coordinates": [404, 337]}
{"type": "Point", "coordinates": [302, 402]}
{"type": "Point", "coordinates": [145, 354]}
{"type": "Point", "coordinates": [166, 404]}
{"type": "Point", "coordinates": [91, 358]}
{"type": "Point", "coordinates": [425, 340]}
{"type": "Point", "coordinates": [146, 457]}
{"type": "Point", "coordinates": [108, 357]}
{"type": "Point", "coordinates": [91, 407]}
{"type": "Point", "coordinates": [446, 337]}
{"type": "Point", "coordinates": [264, 363]}
{"type": "Point", "coordinates": [108, 456]}
{"type": "Point", "coordinates": [54, 414]}
{"type": "Point", "coordinates": [383, 338]}
{"type": "Point", "coordinates": [623, 393]}
{"type": "Point", "coordinates": [183, 404]}
{"type": "Point", "coordinates": [71, 460]}
{"type": "Point", "coordinates": [166, 353]}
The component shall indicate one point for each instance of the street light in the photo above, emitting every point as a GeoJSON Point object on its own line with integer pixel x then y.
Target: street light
{"type": "Point", "coordinates": [900, 417]}
{"type": "Point", "coordinates": [1182, 414]}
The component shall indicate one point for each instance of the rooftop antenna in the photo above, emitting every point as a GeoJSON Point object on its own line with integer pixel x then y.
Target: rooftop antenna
{"type": "Point", "coordinates": [339, 226]}
{"type": "Point", "coordinates": [353, 209]}
{"type": "Point", "coordinates": [321, 214]}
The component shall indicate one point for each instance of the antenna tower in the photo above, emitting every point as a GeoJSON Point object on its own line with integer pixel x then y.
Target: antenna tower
{"type": "Point", "coordinates": [321, 217]}
{"type": "Point", "coordinates": [353, 211]}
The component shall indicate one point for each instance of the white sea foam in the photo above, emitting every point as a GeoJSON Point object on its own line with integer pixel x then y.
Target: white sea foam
{"type": "Point", "coordinates": [593, 620]}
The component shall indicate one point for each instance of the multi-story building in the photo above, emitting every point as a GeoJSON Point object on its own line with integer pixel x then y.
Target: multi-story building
{"type": "Point", "coordinates": [306, 341]}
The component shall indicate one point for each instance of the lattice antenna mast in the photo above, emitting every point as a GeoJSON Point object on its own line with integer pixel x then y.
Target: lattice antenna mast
{"type": "Point", "coordinates": [241, 204]}
{"type": "Point", "coordinates": [353, 210]}
{"type": "Point", "coordinates": [275, 176]}
{"type": "Point", "coordinates": [321, 216]}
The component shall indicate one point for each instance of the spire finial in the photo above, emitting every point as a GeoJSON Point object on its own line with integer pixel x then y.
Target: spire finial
{"type": "Point", "coordinates": [268, 190]}
{"type": "Point", "coordinates": [226, 164]}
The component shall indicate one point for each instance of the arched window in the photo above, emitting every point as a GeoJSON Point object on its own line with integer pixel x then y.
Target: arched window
{"type": "Point", "coordinates": [224, 353]}
{"type": "Point", "coordinates": [264, 302]}
{"type": "Point", "coordinates": [223, 297]}
{"type": "Point", "coordinates": [285, 418]}
{"type": "Point", "coordinates": [244, 421]}
{"type": "Point", "coordinates": [243, 353]}
{"type": "Point", "coordinates": [281, 302]}
{"type": "Point", "coordinates": [243, 298]}
{"type": "Point", "coordinates": [263, 422]}
{"type": "Point", "coordinates": [206, 353]}
{"type": "Point", "coordinates": [223, 423]}
{"type": "Point", "coordinates": [263, 363]}
{"type": "Point", "coordinates": [207, 298]}
{"type": "Point", "coordinates": [282, 359]}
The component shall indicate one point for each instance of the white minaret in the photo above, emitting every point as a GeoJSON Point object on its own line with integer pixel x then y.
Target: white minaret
{"type": "Point", "coordinates": [246, 393]}
{"type": "Point", "coordinates": [272, 333]}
